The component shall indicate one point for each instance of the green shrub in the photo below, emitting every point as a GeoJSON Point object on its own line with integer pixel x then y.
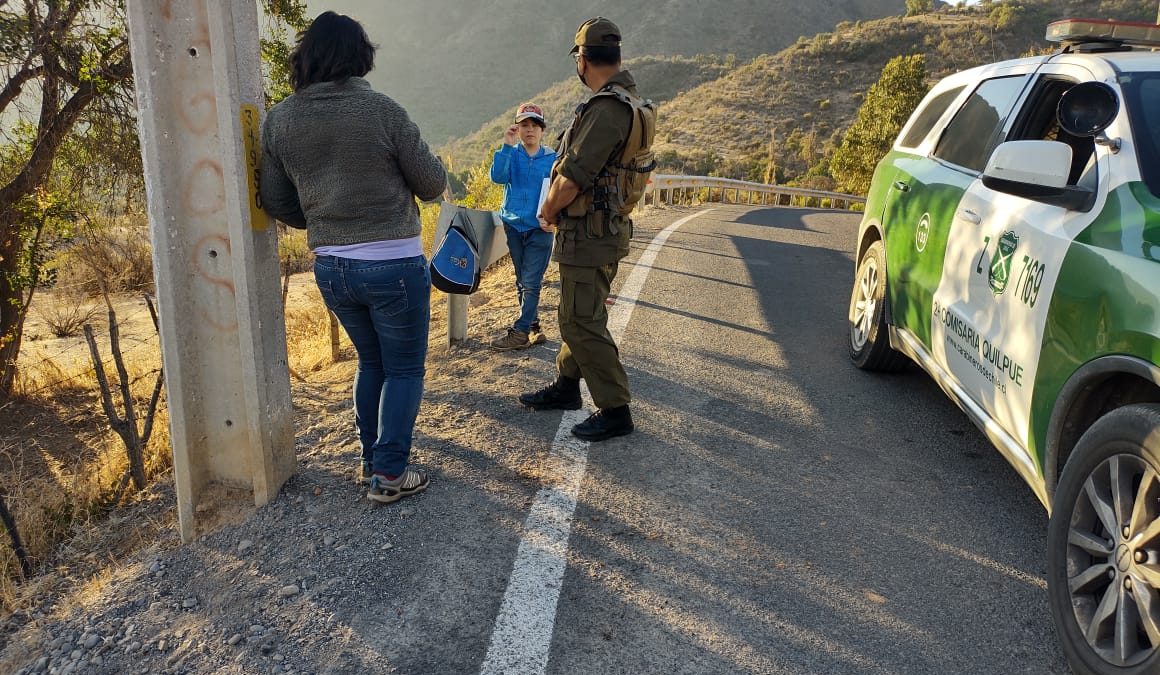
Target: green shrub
{"type": "Point", "coordinates": [481, 192]}
{"type": "Point", "coordinates": [888, 105]}
{"type": "Point", "coordinates": [916, 7]}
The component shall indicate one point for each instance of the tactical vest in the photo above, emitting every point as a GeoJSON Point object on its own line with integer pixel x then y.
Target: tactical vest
{"type": "Point", "coordinates": [595, 228]}
{"type": "Point", "coordinates": [622, 181]}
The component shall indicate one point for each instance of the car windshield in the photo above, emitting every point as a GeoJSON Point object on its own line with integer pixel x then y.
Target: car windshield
{"type": "Point", "coordinates": [1142, 96]}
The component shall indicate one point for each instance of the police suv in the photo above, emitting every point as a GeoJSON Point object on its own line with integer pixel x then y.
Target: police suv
{"type": "Point", "coordinates": [1011, 248]}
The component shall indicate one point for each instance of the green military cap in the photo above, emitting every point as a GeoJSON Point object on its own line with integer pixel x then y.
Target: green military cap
{"type": "Point", "coordinates": [597, 32]}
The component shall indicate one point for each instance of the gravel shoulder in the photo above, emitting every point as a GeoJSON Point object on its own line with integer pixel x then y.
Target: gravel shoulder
{"type": "Point", "coordinates": [322, 580]}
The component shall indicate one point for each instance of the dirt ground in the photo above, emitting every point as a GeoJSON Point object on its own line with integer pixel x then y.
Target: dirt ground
{"type": "Point", "coordinates": [147, 604]}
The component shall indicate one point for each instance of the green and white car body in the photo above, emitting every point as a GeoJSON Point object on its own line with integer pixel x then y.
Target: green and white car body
{"type": "Point", "coordinates": [1037, 310]}
{"type": "Point", "coordinates": [1003, 299]}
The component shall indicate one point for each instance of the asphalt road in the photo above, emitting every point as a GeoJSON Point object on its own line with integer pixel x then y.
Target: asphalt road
{"type": "Point", "coordinates": [778, 510]}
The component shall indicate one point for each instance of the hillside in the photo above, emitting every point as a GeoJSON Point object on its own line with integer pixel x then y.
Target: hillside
{"type": "Point", "coordinates": [456, 64]}
{"type": "Point", "coordinates": [798, 101]}
{"type": "Point", "coordinates": [662, 78]}
{"type": "Point", "coordinates": [804, 97]}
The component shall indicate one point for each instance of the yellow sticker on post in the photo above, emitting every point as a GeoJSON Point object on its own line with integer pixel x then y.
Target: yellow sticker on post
{"type": "Point", "coordinates": [252, 140]}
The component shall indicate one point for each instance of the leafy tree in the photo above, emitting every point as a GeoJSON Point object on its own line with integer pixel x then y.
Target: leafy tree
{"type": "Point", "coordinates": [888, 105]}
{"type": "Point", "coordinates": [281, 15]}
{"type": "Point", "coordinates": [1006, 14]}
{"type": "Point", "coordinates": [57, 59]}
{"type": "Point", "coordinates": [65, 73]}
{"type": "Point", "coordinates": [916, 7]}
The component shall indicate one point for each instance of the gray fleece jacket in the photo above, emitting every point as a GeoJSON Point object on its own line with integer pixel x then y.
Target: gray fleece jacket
{"type": "Point", "coordinates": [346, 163]}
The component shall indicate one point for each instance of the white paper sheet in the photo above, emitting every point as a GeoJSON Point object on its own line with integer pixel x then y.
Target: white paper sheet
{"type": "Point", "coordinates": [543, 195]}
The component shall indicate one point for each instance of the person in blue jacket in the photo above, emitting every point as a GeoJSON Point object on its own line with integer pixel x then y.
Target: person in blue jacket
{"type": "Point", "coordinates": [521, 165]}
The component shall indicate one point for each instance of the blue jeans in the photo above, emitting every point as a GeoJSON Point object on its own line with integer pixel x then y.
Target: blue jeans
{"type": "Point", "coordinates": [530, 253]}
{"type": "Point", "coordinates": [385, 307]}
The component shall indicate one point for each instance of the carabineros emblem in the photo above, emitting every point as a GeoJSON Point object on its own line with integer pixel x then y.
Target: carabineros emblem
{"type": "Point", "coordinates": [1001, 262]}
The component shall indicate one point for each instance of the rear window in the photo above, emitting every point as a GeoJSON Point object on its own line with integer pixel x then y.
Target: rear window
{"type": "Point", "coordinates": [1142, 97]}
{"type": "Point", "coordinates": [926, 119]}
{"type": "Point", "coordinates": [974, 132]}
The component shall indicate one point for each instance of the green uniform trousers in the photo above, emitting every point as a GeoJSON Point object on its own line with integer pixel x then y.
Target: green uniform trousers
{"type": "Point", "coordinates": [586, 347]}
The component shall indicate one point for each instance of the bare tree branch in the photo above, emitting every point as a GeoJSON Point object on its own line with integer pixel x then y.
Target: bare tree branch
{"type": "Point", "coordinates": [39, 164]}
{"type": "Point", "coordinates": [16, 84]}
{"type": "Point", "coordinates": [106, 393]}
{"type": "Point", "coordinates": [14, 535]}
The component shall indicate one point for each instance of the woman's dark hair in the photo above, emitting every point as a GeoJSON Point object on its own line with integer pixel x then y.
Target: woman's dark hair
{"type": "Point", "coordinates": [601, 55]}
{"type": "Point", "coordinates": [334, 48]}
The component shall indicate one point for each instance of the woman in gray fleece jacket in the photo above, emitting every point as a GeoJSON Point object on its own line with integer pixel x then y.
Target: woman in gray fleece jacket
{"type": "Point", "coordinates": [346, 163]}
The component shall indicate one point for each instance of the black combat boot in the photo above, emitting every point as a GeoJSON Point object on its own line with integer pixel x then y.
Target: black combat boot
{"type": "Point", "coordinates": [605, 424]}
{"type": "Point", "coordinates": [563, 394]}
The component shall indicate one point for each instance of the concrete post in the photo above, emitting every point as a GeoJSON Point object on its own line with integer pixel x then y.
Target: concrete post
{"type": "Point", "coordinates": [223, 340]}
{"type": "Point", "coordinates": [456, 318]}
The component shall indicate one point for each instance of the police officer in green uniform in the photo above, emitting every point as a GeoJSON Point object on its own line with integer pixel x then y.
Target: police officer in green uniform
{"type": "Point", "coordinates": [592, 235]}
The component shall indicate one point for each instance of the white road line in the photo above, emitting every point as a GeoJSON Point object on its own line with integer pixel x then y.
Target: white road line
{"type": "Point", "coordinates": [527, 616]}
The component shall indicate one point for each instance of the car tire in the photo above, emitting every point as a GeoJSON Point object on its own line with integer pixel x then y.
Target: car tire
{"type": "Point", "coordinates": [869, 341]}
{"type": "Point", "coordinates": [1104, 586]}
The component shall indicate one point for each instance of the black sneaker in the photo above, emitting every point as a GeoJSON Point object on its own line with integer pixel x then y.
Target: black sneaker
{"type": "Point", "coordinates": [365, 472]}
{"type": "Point", "coordinates": [605, 424]}
{"type": "Point", "coordinates": [563, 394]}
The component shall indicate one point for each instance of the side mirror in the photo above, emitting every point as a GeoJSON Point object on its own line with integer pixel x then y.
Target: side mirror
{"type": "Point", "coordinates": [1043, 164]}
{"type": "Point", "coordinates": [1036, 170]}
{"type": "Point", "coordinates": [1087, 109]}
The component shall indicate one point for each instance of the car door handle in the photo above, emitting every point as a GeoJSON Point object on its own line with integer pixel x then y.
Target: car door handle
{"type": "Point", "coordinates": [970, 216]}
{"type": "Point", "coordinates": [901, 187]}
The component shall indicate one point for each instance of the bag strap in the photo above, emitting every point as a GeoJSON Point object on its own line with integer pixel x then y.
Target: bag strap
{"type": "Point", "coordinates": [460, 222]}
{"type": "Point", "coordinates": [639, 133]}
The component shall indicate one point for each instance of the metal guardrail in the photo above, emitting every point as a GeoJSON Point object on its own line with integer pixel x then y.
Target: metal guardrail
{"type": "Point", "coordinates": [672, 189]}
{"type": "Point", "coordinates": [668, 189]}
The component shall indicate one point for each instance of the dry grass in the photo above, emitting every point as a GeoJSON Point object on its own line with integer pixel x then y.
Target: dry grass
{"type": "Point", "coordinates": [60, 463]}
{"type": "Point", "coordinates": [66, 318]}
{"type": "Point", "coordinates": [293, 252]}
{"type": "Point", "coordinates": [52, 507]}
{"type": "Point", "coordinates": [308, 341]}
{"type": "Point", "coordinates": [119, 259]}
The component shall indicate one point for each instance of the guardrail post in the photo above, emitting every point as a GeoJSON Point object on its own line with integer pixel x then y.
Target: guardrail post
{"type": "Point", "coordinates": [456, 317]}
{"type": "Point", "coordinates": [488, 230]}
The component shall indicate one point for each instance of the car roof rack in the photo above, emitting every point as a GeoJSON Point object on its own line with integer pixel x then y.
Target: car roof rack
{"type": "Point", "coordinates": [1099, 35]}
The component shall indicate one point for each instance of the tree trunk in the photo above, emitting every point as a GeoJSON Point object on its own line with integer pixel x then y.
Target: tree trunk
{"type": "Point", "coordinates": [54, 125]}
{"type": "Point", "coordinates": [11, 302]}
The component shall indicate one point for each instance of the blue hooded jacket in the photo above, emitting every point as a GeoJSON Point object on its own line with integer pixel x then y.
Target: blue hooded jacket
{"type": "Point", "coordinates": [522, 177]}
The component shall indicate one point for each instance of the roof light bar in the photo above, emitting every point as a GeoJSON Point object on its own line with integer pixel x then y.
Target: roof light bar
{"type": "Point", "coordinates": [1078, 31]}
